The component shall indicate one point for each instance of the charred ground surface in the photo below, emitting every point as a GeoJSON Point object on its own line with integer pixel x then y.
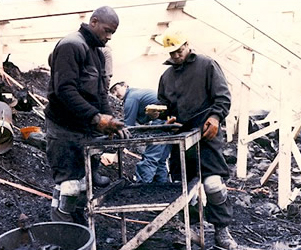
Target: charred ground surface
{"type": "Point", "coordinates": [257, 223]}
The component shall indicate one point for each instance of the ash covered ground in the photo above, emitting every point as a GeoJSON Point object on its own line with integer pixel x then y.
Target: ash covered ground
{"type": "Point", "coordinates": [257, 223]}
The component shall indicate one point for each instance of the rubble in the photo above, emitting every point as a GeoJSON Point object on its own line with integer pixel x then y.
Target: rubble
{"type": "Point", "coordinates": [258, 223]}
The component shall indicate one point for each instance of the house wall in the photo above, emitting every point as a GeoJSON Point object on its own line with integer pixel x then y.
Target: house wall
{"type": "Point", "coordinates": [252, 40]}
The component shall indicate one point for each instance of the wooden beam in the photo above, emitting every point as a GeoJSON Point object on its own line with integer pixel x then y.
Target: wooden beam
{"type": "Point", "coordinates": [270, 170]}
{"type": "Point", "coordinates": [296, 153]}
{"type": "Point", "coordinates": [42, 9]}
{"type": "Point", "coordinates": [285, 147]}
{"type": "Point", "coordinates": [260, 133]}
{"type": "Point", "coordinates": [40, 40]}
{"type": "Point", "coordinates": [243, 121]}
{"type": "Point", "coordinates": [176, 5]}
{"type": "Point", "coordinates": [274, 164]}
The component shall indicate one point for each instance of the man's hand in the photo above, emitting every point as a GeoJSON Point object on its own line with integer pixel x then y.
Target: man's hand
{"type": "Point", "coordinates": [154, 110]}
{"type": "Point", "coordinates": [171, 120]}
{"type": "Point", "coordinates": [153, 114]}
{"type": "Point", "coordinates": [108, 158]}
{"type": "Point", "coordinates": [210, 128]}
{"type": "Point", "coordinates": [107, 124]}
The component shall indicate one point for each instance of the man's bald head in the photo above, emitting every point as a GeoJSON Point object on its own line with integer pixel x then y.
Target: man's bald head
{"type": "Point", "coordinates": [103, 23]}
{"type": "Point", "coordinates": [106, 14]}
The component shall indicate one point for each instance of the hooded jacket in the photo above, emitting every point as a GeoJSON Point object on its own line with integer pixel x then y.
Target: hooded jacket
{"type": "Point", "coordinates": [76, 91]}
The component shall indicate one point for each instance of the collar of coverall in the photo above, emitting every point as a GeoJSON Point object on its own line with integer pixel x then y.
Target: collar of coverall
{"type": "Point", "coordinates": [190, 58]}
{"type": "Point", "coordinates": [91, 39]}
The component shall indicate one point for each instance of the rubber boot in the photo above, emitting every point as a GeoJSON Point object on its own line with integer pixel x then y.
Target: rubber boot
{"type": "Point", "coordinates": [79, 214]}
{"type": "Point", "coordinates": [56, 215]}
{"type": "Point", "coordinates": [224, 239]}
{"type": "Point", "coordinates": [69, 192]}
{"type": "Point", "coordinates": [98, 179]}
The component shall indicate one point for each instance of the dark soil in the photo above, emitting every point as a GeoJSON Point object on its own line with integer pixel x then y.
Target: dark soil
{"type": "Point", "coordinates": [257, 223]}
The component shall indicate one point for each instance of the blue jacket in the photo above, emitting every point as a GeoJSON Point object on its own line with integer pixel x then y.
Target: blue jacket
{"type": "Point", "coordinates": [135, 101]}
{"type": "Point", "coordinates": [76, 90]}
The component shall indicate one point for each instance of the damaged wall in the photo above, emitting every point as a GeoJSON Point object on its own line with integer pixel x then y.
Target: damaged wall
{"type": "Point", "coordinates": [252, 40]}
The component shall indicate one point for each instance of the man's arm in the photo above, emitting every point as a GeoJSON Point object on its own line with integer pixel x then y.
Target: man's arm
{"type": "Point", "coordinates": [219, 92]}
{"type": "Point", "coordinates": [131, 107]}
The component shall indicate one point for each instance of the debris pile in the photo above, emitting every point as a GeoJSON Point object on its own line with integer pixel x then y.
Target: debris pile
{"type": "Point", "coordinates": [26, 181]}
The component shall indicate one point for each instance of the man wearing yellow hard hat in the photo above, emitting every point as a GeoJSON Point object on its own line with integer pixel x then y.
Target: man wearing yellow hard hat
{"type": "Point", "coordinates": [196, 92]}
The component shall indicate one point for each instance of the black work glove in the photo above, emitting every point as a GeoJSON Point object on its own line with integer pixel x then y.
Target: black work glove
{"type": "Point", "coordinates": [124, 133]}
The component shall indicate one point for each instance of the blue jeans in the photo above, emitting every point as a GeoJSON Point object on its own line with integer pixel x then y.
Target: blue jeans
{"type": "Point", "coordinates": [152, 167]}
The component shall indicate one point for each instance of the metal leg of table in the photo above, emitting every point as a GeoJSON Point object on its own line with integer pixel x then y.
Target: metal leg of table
{"type": "Point", "coordinates": [123, 229]}
{"type": "Point", "coordinates": [89, 190]}
{"type": "Point", "coordinates": [202, 240]}
{"type": "Point", "coordinates": [185, 193]}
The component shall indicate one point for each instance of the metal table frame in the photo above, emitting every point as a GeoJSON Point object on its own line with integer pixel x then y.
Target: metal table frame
{"type": "Point", "coordinates": [185, 140]}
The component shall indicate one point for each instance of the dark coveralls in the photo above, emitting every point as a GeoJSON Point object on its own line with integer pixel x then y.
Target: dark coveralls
{"type": "Point", "coordinates": [76, 94]}
{"type": "Point", "coordinates": [198, 86]}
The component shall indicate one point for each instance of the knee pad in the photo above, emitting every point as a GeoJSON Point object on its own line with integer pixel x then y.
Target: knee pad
{"type": "Point", "coordinates": [56, 196]}
{"type": "Point", "coordinates": [70, 191]}
{"type": "Point", "coordinates": [215, 189]}
{"type": "Point", "coordinates": [82, 183]}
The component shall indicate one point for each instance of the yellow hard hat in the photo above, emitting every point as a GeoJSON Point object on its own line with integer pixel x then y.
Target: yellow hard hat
{"type": "Point", "coordinates": [173, 40]}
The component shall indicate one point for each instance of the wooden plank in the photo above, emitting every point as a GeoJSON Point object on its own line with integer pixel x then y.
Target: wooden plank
{"type": "Point", "coordinates": [27, 189]}
{"type": "Point", "coordinates": [131, 208]}
{"type": "Point", "coordinates": [231, 124]}
{"type": "Point", "coordinates": [1, 51]}
{"type": "Point", "coordinates": [274, 164]}
{"type": "Point", "coordinates": [10, 11]}
{"type": "Point", "coordinates": [285, 128]}
{"type": "Point", "coordinates": [253, 45]}
{"type": "Point", "coordinates": [270, 170]}
{"type": "Point", "coordinates": [296, 153]}
{"type": "Point", "coordinates": [260, 133]}
{"type": "Point", "coordinates": [242, 150]}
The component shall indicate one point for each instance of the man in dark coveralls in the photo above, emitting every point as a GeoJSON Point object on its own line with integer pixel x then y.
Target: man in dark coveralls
{"type": "Point", "coordinates": [195, 91]}
{"type": "Point", "coordinates": [78, 110]}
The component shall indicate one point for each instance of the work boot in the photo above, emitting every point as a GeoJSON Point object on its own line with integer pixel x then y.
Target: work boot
{"type": "Point", "coordinates": [79, 217]}
{"type": "Point", "coordinates": [224, 239]}
{"type": "Point", "coordinates": [57, 215]}
{"type": "Point", "coordinates": [100, 180]}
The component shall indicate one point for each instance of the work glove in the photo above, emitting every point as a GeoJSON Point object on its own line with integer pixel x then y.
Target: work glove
{"type": "Point", "coordinates": [171, 120]}
{"type": "Point", "coordinates": [107, 124]}
{"type": "Point", "coordinates": [210, 128]}
{"type": "Point", "coordinates": [124, 133]}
